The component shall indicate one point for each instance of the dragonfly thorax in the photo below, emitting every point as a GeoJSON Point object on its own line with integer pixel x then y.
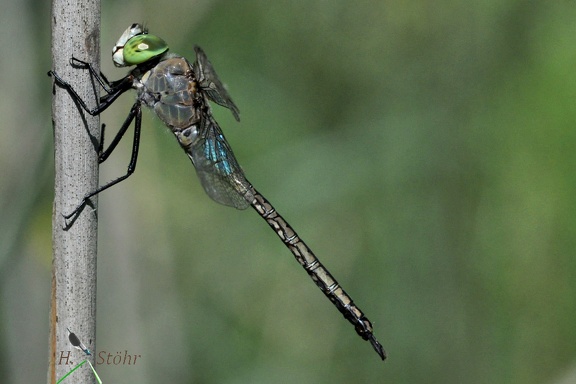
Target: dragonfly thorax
{"type": "Point", "coordinates": [170, 89]}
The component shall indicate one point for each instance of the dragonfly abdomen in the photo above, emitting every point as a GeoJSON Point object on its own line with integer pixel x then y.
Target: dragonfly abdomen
{"type": "Point", "coordinates": [319, 274]}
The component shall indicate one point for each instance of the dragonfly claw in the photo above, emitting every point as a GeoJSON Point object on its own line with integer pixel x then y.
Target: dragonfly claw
{"type": "Point", "coordinates": [71, 217]}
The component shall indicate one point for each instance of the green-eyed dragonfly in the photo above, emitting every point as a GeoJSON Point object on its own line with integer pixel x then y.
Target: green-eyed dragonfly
{"type": "Point", "coordinates": [179, 93]}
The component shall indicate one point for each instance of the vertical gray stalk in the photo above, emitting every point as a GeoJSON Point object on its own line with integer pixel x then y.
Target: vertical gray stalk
{"type": "Point", "coordinates": [75, 32]}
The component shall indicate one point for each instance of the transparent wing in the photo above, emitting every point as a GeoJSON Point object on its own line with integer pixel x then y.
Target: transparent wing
{"type": "Point", "coordinates": [217, 168]}
{"type": "Point", "coordinates": [211, 84]}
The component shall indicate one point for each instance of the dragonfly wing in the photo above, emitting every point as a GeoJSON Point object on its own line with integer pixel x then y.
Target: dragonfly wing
{"type": "Point", "coordinates": [211, 84]}
{"type": "Point", "coordinates": [219, 172]}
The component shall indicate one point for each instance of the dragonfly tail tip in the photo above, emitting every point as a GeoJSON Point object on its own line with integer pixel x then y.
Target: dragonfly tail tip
{"type": "Point", "coordinates": [378, 348]}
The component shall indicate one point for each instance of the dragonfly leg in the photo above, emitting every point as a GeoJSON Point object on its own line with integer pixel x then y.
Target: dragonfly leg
{"type": "Point", "coordinates": [117, 88]}
{"type": "Point", "coordinates": [99, 76]}
{"type": "Point", "coordinates": [136, 115]}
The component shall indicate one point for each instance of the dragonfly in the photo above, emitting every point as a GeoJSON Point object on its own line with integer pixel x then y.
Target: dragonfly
{"type": "Point", "coordinates": [179, 92]}
{"type": "Point", "coordinates": [76, 343]}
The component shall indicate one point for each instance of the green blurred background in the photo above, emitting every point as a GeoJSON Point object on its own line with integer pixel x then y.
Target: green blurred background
{"type": "Point", "coordinates": [424, 150]}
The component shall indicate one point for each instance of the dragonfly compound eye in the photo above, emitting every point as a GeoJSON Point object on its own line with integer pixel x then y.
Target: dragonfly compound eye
{"type": "Point", "coordinates": [142, 48]}
{"type": "Point", "coordinates": [118, 50]}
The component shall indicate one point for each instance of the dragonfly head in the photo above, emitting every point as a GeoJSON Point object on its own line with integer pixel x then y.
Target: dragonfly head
{"type": "Point", "coordinates": [136, 46]}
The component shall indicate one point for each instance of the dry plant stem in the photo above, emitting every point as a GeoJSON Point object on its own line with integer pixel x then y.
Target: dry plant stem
{"type": "Point", "coordinates": [75, 32]}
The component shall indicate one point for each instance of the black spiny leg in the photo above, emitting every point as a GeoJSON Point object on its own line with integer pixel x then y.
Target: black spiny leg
{"type": "Point", "coordinates": [135, 114]}
{"type": "Point", "coordinates": [113, 91]}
